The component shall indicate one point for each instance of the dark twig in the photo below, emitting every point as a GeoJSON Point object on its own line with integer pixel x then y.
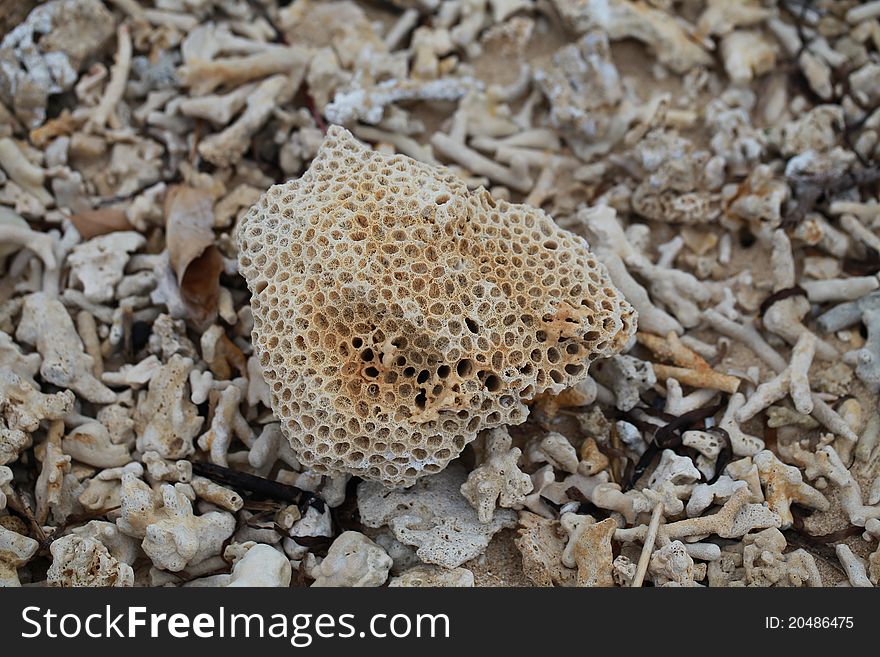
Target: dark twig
{"type": "Point", "coordinates": [867, 267]}
{"type": "Point", "coordinates": [313, 110]}
{"type": "Point", "coordinates": [819, 544]}
{"type": "Point", "coordinates": [21, 507]}
{"type": "Point", "coordinates": [724, 457]}
{"type": "Point", "coordinates": [248, 483]}
{"type": "Point", "coordinates": [796, 291]}
{"type": "Point", "coordinates": [808, 190]}
{"type": "Point", "coordinates": [668, 437]}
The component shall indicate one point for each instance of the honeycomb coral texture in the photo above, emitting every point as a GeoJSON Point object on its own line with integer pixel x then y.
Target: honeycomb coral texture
{"type": "Point", "coordinates": [397, 314]}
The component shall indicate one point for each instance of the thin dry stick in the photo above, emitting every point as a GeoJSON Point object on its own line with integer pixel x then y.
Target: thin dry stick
{"type": "Point", "coordinates": [21, 507]}
{"type": "Point", "coordinates": [648, 547]}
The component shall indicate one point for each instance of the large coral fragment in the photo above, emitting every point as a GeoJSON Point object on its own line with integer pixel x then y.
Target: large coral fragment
{"type": "Point", "coordinates": [396, 314]}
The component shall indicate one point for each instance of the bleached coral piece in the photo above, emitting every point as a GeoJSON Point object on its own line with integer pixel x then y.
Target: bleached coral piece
{"type": "Point", "coordinates": [767, 564]}
{"type": "Point", "coordinates": [555, 449]}
{"type": "Point", "coordinates": [680, 291]}
{"type": "Point", "coordinates": [81, 561]}
{"type": "Point", "coordinates": [574, 525]}
{"type": "Point", "coordinates": [585, 94]}
{"type": "Point", "coordinates": [760, 200]}
{"type": "Point", "coordinates": [227, 147]}
{"type": "Point", "coordinates": [675, 469]}
{"type": "Point", "coordinates": [419, 339]}
{"type": "Point", "coordinates": [261, 566]}
{"type": "Point", "coordinates": [813, 130]}
{"type": "Point", "coordinates": [747, 334]}
{"type": "Point", "coordinates": [433, 576]}
{"type": "Point", "coordinates": [671, 565]}
{"type": "Point", "coordinates": [705, 495]}
{"type": "Point", "coordinates": [212, 492]}
{"type": "Point", "coordinates": [744, 469]}
{"type": "Point", "coordinates": [313, 523]}
{"type": "Point", "coordinates": [515, 177]}
{"type": "Point", "coordinates": [678, 404]}
{"type": "Point", "coordinates": [747, 54]}
{"type": "Point", "coordinates": [609, 496]}
{"type": "Point", "coordinates": [627, 377]}
{"type": "Point", "coordinates": [592, 554]}
{"type": "Point", "coordinates": [720, 16]}
{"type": "Point", "coordinates": [673, 43]}
{"type": "Point", "coordinates": [29, 178]}
{"type": "Point", "coordinates": [16, 233]}
{"type": "Point", "coordinates": [203, 77]}
{"type": "Point", "coordinates": [22, 398]}
{"type": "Point", "coordinates": [784, 486]}
{"type": "Point", "coordinates": [43, 54]}
{"type": "Point", "coordinates": [22, 405]}
{"type": "Point", "coordinates": [175, 538]}
{"type": "Point", "coordinates": [98, 263]}
{"type": "Point", "coordinates": [541, 542]}
{"type": "Point", "coordinates": [124, 549]}
{"type": "Point", "coordinates": [851, 498]}
{"type": "Point", "coordinates": [840, 289]}
{"type": "Point", "coordinates": [709, 447]}
{"type": "Point", "coordinates": [591, 459]}
{"type": "Point", "coordinates": [680, 187]}
{"type": "Point", "coordinates": [867, 358]}
{"type": "Point", "coordinates": [46, 325]}
{"type": "Point", "coordinates": [166, 421]}
{"type": "Point", "coordinates": [872, 532]}
{"type": "Point", "coordinates": [219, 109]}
{"type": "Point", "coordinates": [736, 518]}
{"type": "Point", "coordinates": [353, 560]}
{"type": "Point", "coordinates": [54, 469]}
{"type": "Point", "coordinates": [15, 551]}
{"type": "Point", "coordinates": [137, 508]}
{"type": "Point", "coordinates": [271, 446]}
{"type": "Point", "coordinates": [90, 443]}
{"type": "Point", "coordinates": [368, 104]}
{"type": "Point", "coordinates": [226, 424]}
{"type": "Point", "coordinates": [5, 488]}
{"type": "Point", "coordinates": [432, 515]}
{"type": "Point", "coordinates": [854, 567]}
{"type": "Point", "coordinates": [541, 478]}
{"type": "Point", "coordinates": [258, 390]}
{"type": "Point", "coordinates": [791, 381]}
{"type": "Point", "coordinates": [133, 376]}
{"type": "Point", "coordinates": [497, 480]}
{"type": "Point", "coordinates": [785, 316]}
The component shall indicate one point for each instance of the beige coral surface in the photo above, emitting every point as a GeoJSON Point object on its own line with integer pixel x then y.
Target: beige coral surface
{"type": "Point", "coordinates": [345, 293]}
{"type": "Point", "coordinates": [397, 314]}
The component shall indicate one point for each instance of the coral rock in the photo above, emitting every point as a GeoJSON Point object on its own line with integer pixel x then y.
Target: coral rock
{"type": "Point", "coordinates": [46, 325]}
{"type": "Point", "coordinates": [15, 551]}
{"type": "Point", "coordinates": [81, 561]}
{"type": "Point", "coordinates": [497, 481]}
{"type": "Point", "coordinates": [353, 560]}
{"type": "Point", "coordinates": [593, 556]}
{"type": "Point", "coordinates": [541, 542]}
{"type": "Point", "coordinates": [261, 566]}
{"type": "Point", "coordinates": [396, 314]}
{"type": "Point", "coordinates": [434, 576]}
{"type": "Point", "coordinates": [434, 516]}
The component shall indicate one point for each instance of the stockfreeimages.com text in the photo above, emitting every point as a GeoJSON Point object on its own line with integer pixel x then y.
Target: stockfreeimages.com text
{"type": "Point", "coordinates": [300, 629]}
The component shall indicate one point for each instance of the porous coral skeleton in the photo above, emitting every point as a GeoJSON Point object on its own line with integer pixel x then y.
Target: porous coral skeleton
{"type": "Point", "coordinates": [734, 210]}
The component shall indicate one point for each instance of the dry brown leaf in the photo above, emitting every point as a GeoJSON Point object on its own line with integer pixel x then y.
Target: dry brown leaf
{"type": "Point", "coordinates": [92, 223]}
{"type": "Point", "coordinates": [189, 222]}
{"type": "Point", "coordinates": [197, 263]}
{"type": "Point", "coordinates": [200, 288]}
